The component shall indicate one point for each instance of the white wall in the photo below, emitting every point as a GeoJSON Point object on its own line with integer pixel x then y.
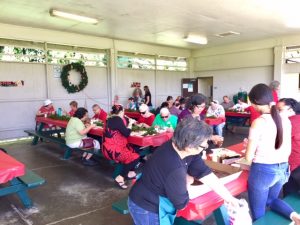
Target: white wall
{"type": "Point", "coordinates": [19, 105]}
{"type": "Point", "coordinates": [230, 81]}
{"type": "Point", "coordinates": [161, 83]}
{"type": "Point", "coordinates": [168, 83]}
{"type": "Point", "coordinates": [291, 82]}
{"type": "Point", "coordinates": [234, 68]}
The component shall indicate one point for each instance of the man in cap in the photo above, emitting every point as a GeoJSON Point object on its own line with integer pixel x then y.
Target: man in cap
{"type": "Point", "coordinates": [47, 109]}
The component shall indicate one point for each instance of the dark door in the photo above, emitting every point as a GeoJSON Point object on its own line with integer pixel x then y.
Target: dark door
{"type": "Point", "coordinates": [189, 86]}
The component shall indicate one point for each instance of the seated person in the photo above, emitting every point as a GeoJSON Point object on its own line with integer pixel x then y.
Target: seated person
{"type": "Point", "coordinates": [182, 102]}
{"type": "Point", "coordinates": [227, 103]}
{"type": "Point", "coordinates": [47, 109]}
{"type": "Point", "coordinates": [74, 107]}
{"type": "Point", "coordinates": [100, 114]}
{"type": "Point", "coordinates": [163, 105]}
{"type": "Point", "coordinates": [131, 105]}
{"type": "Point", "coordinates": [216, 110]}
{"type": "Point", "coordinates": [240, 106]}
{"type": "Point", "coordinates": [195, 106]}
{"type": "Point", "coordinates": [175, 109]}
{"type": "Point", "coordinates": [116, 146]}
{"type": "Point", "coordinates": [165, 120]}
{"type": "Point", "coordinates": [146, 118]}
{"type": "Point", "coordinates": [76, 133]}
{"type": "Point", "coordinates": [170, 101]}
{"type": "Point", "coordinates": [291, 108]}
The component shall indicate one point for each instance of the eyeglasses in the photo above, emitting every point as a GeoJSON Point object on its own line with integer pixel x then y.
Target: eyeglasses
{"type": "Point", "coordinates": [200, 106]}
{"type": "Point", "coordinates": [202, 148]}
{"type": "Point", "coordinates": [164, 117]}
{"type": "Point", "coordinates": [143, 112]}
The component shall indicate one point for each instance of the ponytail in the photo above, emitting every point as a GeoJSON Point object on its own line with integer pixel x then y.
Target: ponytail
{"type": "Point", "coordinates": [277, 119]}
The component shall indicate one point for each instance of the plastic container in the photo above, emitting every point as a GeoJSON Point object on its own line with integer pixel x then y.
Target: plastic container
{"type": "Point", "coordinates": [59, 112]}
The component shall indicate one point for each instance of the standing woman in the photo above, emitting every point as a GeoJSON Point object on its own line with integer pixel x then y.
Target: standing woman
{"type": "Point", "coordinates": [148, 97]}
{"type": "Point", "coordinates": [116, 146]}
{"type": "Point", "coordinates": [170, 171]}
{"type": "Point", "coordinates": [137, 97]}
{"type": "Point", "coordinates": [269, 147]}
{"type": "Point", "coordinates": [275, 86]}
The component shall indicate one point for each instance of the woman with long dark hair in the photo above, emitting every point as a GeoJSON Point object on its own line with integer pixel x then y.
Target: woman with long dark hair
{"type": "Point", "coordinates": [116, 146]}
{"type": "Point", "coordinates": [268, 148]}
{"type": "Point", "coordinates": [291, 108]}
{"type": "Point", "coordinates": [147, 97]}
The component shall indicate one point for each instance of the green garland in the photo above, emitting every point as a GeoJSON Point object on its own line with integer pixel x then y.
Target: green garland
{"type": "Point", "coordinates": [72, 88]}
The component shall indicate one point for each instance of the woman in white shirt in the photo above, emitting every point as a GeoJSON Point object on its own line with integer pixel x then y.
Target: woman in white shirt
{"type": "Point", "coordinates": [268, 149]}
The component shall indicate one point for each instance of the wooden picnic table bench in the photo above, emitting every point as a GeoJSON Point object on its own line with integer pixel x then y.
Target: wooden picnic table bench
{"type": "Point", "coordinates": [19, 179]}
{"type": "Point", "coordinates": [50, 135]}
{"type": "Point", "coordinates": [273, 218]}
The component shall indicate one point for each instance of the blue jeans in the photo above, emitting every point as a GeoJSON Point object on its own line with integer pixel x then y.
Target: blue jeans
{"type": "Point", "coordinates": [218, 129]}
{"type": "Point", "coordinates": [264, 184]}
{"type": "Point", "coordinates": [141, 216]}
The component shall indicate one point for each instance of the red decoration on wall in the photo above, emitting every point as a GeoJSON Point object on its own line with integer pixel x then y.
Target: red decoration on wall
{"type": "Point", "coordinates": [135, 85]}
{"type": "Point", "coordinates": [18, 83]}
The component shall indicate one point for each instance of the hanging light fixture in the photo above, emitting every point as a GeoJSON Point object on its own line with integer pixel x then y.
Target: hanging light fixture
{"type": "Point", "coordinates": [71, 16]}
{"type": "Point", "coordinates": [197, 39]}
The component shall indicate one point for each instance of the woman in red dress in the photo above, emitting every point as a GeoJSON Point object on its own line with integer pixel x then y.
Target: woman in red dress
{"type": "Point", "coordinates": [116, 146]}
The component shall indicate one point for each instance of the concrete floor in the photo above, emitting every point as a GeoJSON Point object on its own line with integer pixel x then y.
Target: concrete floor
{"type": "Point", "coordinates": [74, 194]}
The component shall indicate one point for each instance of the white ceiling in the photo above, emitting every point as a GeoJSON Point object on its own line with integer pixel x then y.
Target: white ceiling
{"type": "Point", "coordinates": [163, 22]}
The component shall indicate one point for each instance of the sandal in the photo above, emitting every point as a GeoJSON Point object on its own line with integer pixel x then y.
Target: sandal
{"type": "Point", "coordinates": [121, 184]}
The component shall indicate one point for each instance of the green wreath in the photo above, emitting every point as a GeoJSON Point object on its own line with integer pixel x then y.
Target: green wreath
{"type": "Point", "coordinates": [72, 88]}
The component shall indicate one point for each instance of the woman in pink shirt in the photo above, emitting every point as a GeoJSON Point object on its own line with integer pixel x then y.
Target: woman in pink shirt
{"type": "Point", "coordinates": [268, 149]}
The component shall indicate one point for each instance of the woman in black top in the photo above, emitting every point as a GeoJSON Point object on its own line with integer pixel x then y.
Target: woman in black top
{"type": "Point", "coordinates": [170, 170]}
{"type": "Point", "coordinates": [147, 97]}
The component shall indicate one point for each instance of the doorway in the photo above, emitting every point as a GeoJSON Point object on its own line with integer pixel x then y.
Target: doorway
{"type": "Point", "coordinates": [205, 86]}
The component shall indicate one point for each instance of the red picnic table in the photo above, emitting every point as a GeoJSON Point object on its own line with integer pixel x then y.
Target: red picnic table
{"type": "Point", "coordinates": [143, 141]}
{"type": "Point", "coordinates": [19, 181]}
{"type": "Point", "coordinates": [201, 207]}
{"type": "Point", "coordinates": [151, 140]}
{"type": "Point", "coordinates": [237, 114]}
{"type": "Point", "coordinates": [214, 121]}
{"type": "Point", "coordinates": [133, 115]}
{"type": "Point", "coordinates": [10, 168]}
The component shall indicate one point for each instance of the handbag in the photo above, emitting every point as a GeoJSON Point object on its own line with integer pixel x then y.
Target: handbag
{"type": "Point", "coordinates": [87, 143]}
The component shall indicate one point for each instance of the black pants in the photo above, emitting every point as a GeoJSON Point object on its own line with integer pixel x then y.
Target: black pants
{"type": "Point", "coordinates": [293, 184]}
{"type": "Point", "coordinates": [128, 167]}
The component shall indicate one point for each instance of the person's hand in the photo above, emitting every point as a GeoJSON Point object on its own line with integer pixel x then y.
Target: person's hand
{"type": "Point", "coordinates": [91, 126]}
{"type": "Point", "coordinates": [132, 121]}
{"type": "Point", "coordinates": [217, 140]}
{"type": "Point", "coordinates": [189, 180]}
{"type": "Point", "coordinates": [170, 129]}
